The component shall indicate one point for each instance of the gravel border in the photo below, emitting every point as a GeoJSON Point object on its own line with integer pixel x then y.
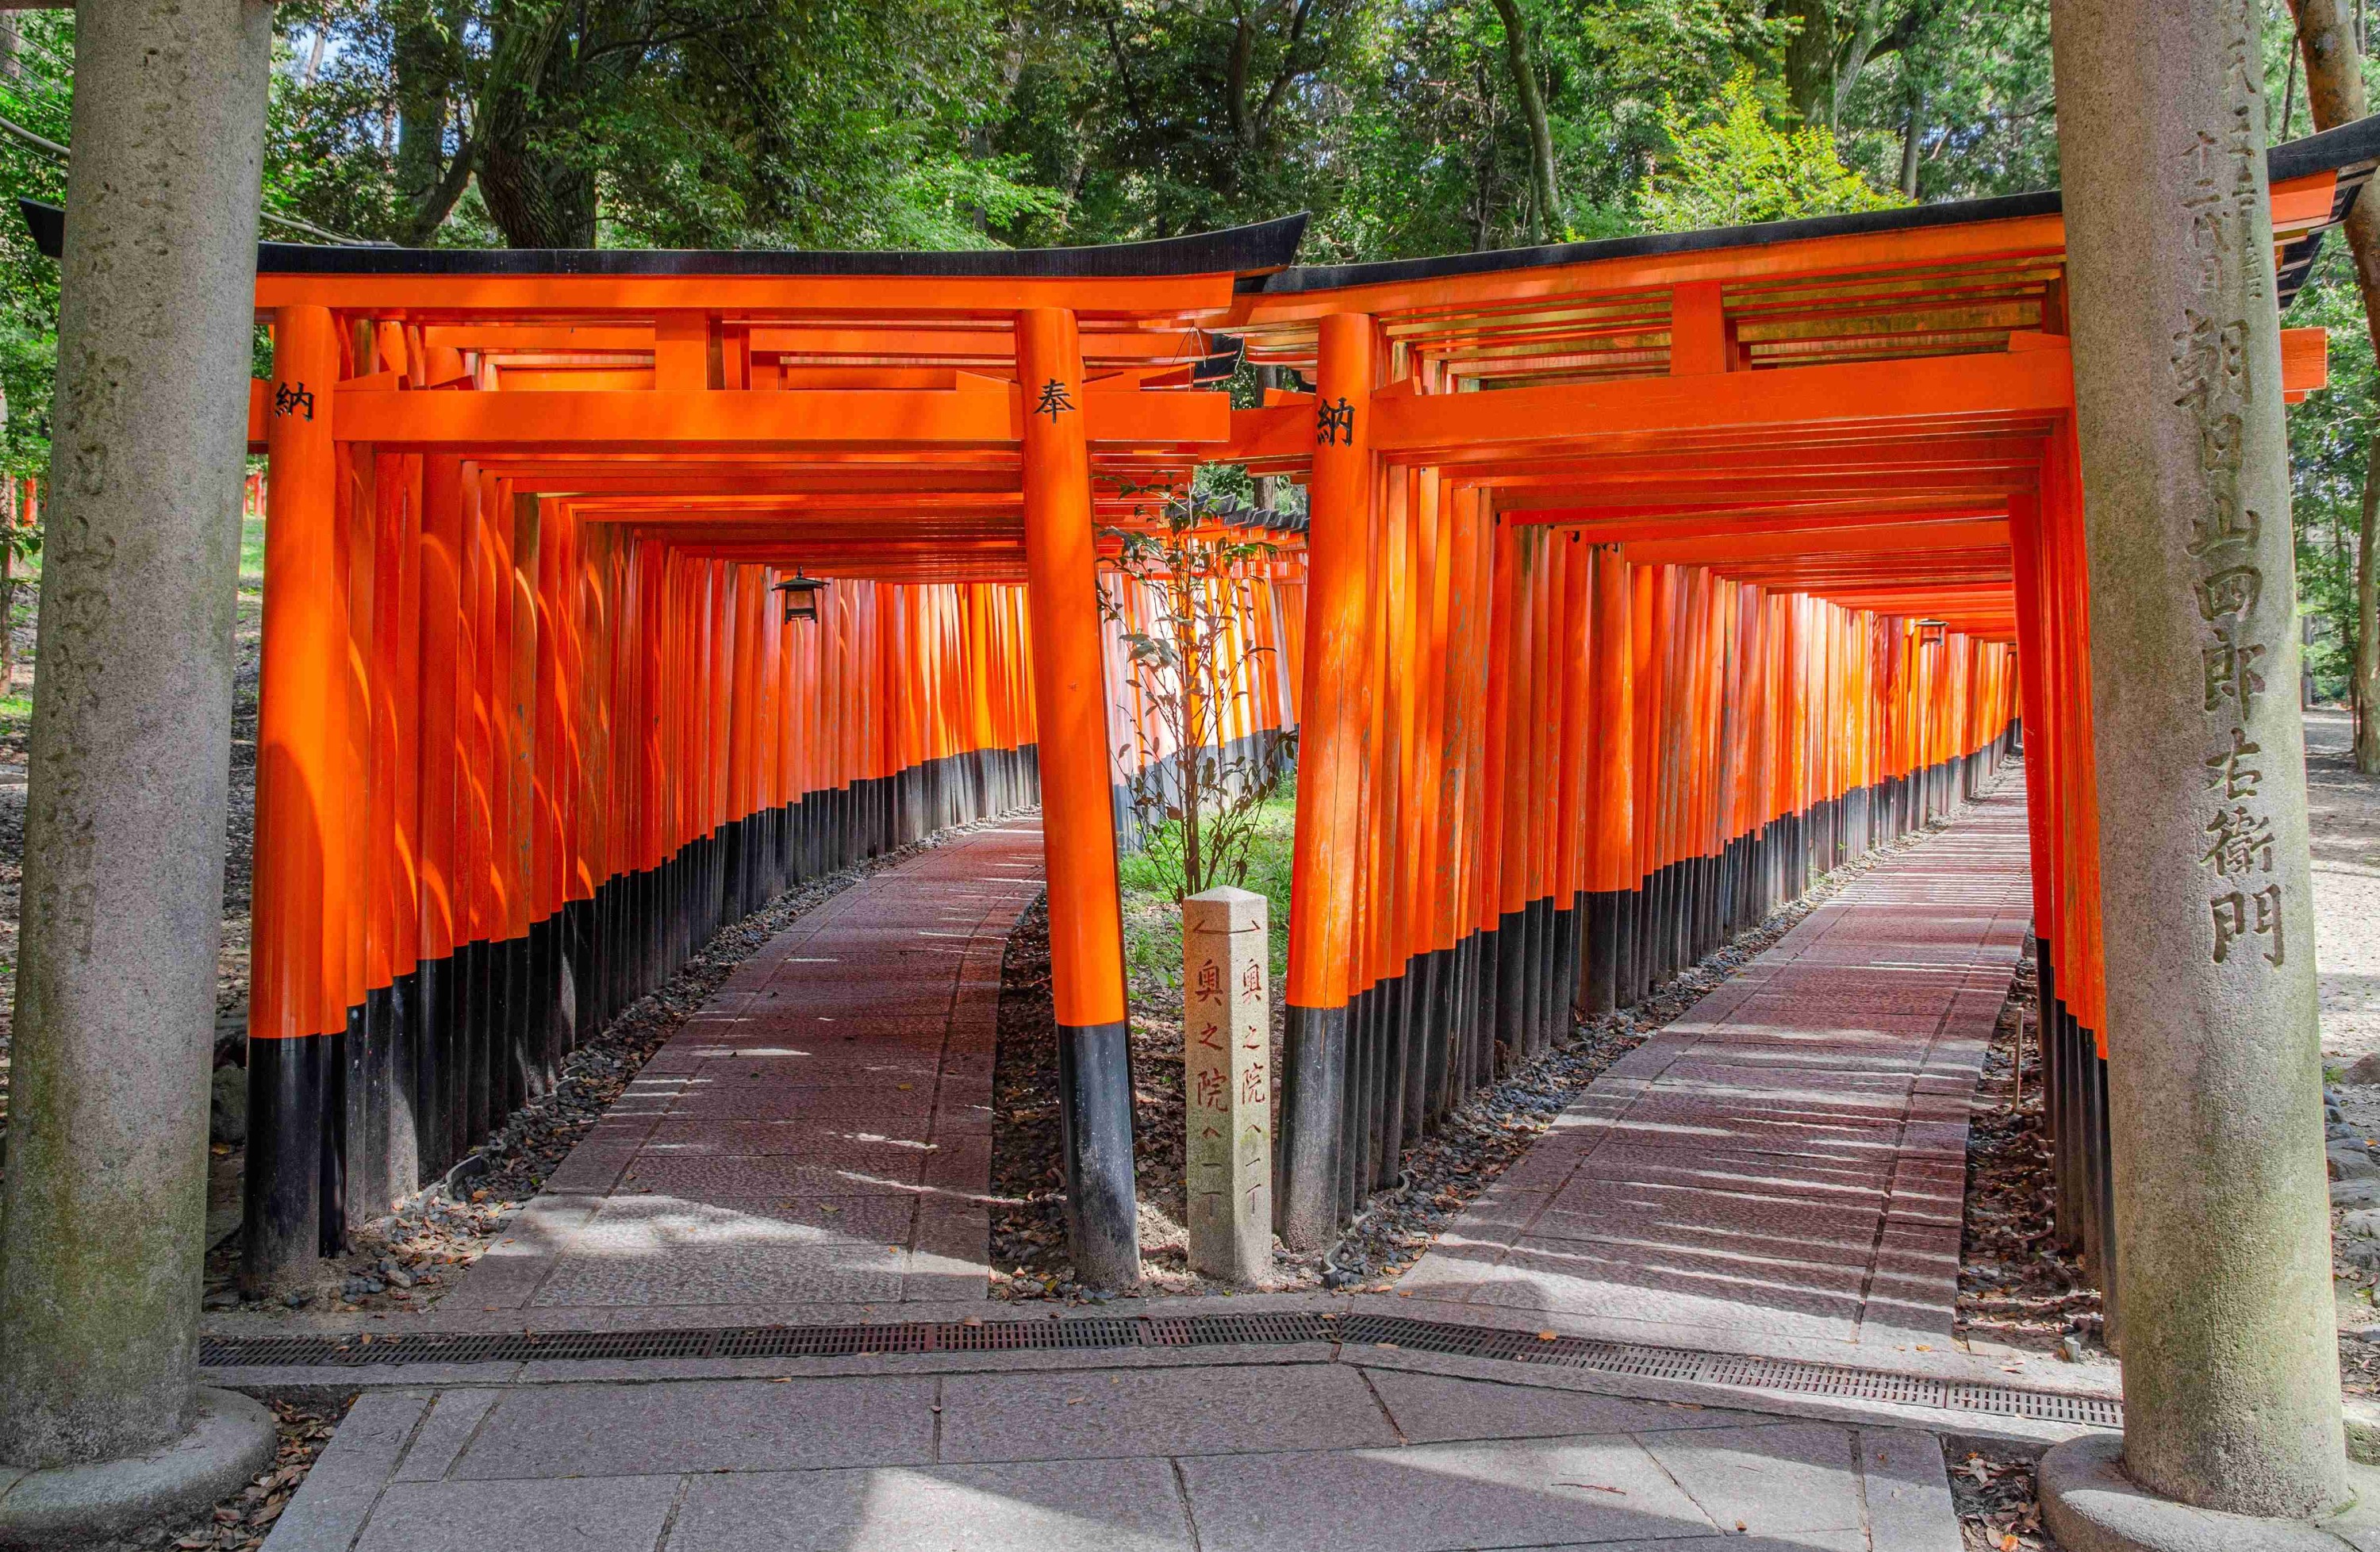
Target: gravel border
{"type": "Point", "coordinates": [2017, 1286]}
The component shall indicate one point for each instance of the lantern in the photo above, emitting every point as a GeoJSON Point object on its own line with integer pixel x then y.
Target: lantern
{"type": "Point", "coordinates": [801, 596]}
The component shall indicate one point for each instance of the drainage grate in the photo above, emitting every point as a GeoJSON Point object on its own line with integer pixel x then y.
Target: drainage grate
{"type": "Point", "coordinates": [1782, 1375]}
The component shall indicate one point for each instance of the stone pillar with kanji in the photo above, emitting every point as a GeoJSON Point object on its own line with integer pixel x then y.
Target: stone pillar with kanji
{"type": "Point", "coordinates": [1227, 1062]}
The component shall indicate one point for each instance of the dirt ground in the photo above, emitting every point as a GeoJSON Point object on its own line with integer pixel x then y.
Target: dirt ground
{"type": "Point", "coordinates": [242, 1520]}
{"type": "Point", "coordinates": [2343, 812]}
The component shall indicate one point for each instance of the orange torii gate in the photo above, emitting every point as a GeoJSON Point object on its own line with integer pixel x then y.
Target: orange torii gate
{"type": "Point", "coordinates": [1643, 579]}
{"type": "Point", "coordinates": [538, 716]}
{"type": "Point", "coordinates": [1648, 575]}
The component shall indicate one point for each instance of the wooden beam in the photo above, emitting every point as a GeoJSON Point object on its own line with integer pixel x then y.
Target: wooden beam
{"type": "Point", "coordinates": [1640, 412]}
{"type": "Point", "coordinates": [854, 419]}
{"type": "Point", "coordinates": [1917, 541]}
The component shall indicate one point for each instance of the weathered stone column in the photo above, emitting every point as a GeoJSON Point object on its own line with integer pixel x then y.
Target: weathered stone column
{"type": "Point", "coordinates": [100, 1253]}
{"type": "Point", "coordinates": [1227, 1062]}
{"type": "Point", "coordinates": [2230, 1371]}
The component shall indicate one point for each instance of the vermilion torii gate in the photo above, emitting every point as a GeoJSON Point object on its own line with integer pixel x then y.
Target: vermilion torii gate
{"type": "Point", "coordinates": [1647, 577]}
{"type": "Point", "coordinates": [599, 486]}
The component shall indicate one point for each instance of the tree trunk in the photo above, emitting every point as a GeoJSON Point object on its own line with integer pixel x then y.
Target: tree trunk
{"type": "Point", "coordinates": [537, 201]}
{"type": "Point", "coordinates": [1268, 379]}
{"type": "Point", "coordinates": [2335, 93]}
{"type": "Point", "coordinates": [11, 498]}
{"type": "Point", "coordinates": [1910, 129]}
{"type": "Point", "coordinates": [1533, 110]}
{"type": "Point", "coordinates": [1810, 60]}
{"type": "Point", "coordinates": [2363, 691]}
{"type": "Point", "coordinates": [427, 73]}
{"type": "Point", "coordinates": [419, 64]}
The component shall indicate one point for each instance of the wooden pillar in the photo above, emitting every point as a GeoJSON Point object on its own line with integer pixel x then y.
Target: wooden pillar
{"type": "Point", "coordinates": [298, 969]}
{"type": "Point", "coordinates": [1077, 805]}
{"type": "Point", "coordinates": [1333, 749]}
{"type": "Point", "coordinates": [443, 708]}
{"type": "Point", "coordinates": [1611, 871]}
{"type": "Point", "coordinates": [1574, 779]}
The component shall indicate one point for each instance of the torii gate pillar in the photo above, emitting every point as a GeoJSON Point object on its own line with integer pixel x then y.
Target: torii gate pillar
{"type": "Point", "coordinates": [1077, 805]}
{"type": "Point", "coordinates": [102, 1429]}
{"type": "Point", "coordinates": [2230, 1364]}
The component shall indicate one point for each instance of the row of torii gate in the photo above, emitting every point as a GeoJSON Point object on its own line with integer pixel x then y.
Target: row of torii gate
{"type": "Point", "coordinates": [1642, 578]}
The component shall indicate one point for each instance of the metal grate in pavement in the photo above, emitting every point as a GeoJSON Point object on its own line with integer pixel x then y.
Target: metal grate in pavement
{"type": "Point", "coordinates": [1394, 1332]}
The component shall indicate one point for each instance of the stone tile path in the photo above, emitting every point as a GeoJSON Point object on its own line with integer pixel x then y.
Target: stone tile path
{"type": "Point", "coordinates": [1200, 1459]}
{"type": "Point", "coordinates": [1781, 1168]}
{"type": "Point", "coordinates": [819, 1134]}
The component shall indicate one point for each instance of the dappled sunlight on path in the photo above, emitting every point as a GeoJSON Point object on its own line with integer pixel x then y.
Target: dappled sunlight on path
{"type": "Point", "coordinates": [1786, 1161]}
{"type": "Point", "coordinates": [819, 1134]}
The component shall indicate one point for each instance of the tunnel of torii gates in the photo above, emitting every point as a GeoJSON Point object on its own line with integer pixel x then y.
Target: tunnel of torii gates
{"type": "Point", "coordinates": [1641, 579]}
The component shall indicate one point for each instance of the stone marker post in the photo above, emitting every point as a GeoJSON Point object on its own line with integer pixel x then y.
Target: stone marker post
{"type": "Point", "coordinates": [102, 1244]}
{"type": "Point", "coordinates": [1227, 1062]}
{"type": "Point", "coordinates": [2231, 1367]}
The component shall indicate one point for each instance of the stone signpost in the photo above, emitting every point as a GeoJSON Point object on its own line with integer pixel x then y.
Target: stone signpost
{"type": "Point", "coordinates": [1227, 1062]}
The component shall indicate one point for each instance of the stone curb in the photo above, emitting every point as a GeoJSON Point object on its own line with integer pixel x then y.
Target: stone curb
{"type": "Point", "coordinates": [2091, 1505]}
{"type": "Point", "coordinates": [131, 1502]}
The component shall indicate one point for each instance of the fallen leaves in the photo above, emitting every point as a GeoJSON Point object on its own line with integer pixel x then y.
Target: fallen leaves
{"type": "Point", "coordinates": [241, 1521]}
{"type": "Point", "coordinates": [2017, 1286]}
{"type": "Point", "coordinates": [1997, 1506]}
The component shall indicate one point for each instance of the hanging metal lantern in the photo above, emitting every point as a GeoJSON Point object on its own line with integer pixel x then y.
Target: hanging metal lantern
{"type": "Point", "coordinates": [801, 596]}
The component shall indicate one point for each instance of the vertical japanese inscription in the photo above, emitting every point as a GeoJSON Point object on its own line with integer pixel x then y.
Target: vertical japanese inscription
{"type": "Point", "coordinates": [1054, 400]}
{"type": "Point", "coordinates": [1227, 1059]}
{"type": "Point", "coordinates": [2221, 283]}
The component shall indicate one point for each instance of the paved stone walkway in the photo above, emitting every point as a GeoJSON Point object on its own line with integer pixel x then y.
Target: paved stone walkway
{"type": "Point", "coordinates": [819, 1134]}
{"type": "Point", "coordinates": [1215, 1458]}
{"type": "Point", "coordinates": [1781, 1168]}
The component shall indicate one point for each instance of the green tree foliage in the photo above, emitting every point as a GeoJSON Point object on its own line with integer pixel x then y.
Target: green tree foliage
{"type": "Point", "coordinates": [1733, 167]}
{"type": "Point", "coordinates": [665, 123]}
{"type": "Point", "coordinates": [1436, 149]}
{"type": "Point", "coordinates": [2330, 444]}
{"type": "Point", "coordinates": [1964, 108]}
{"type": "Point", "coordinates": [1401, 125]}
{"type": "Point", "coordinates": [1151, 117]}
{"type": "Point", "coordinates": [34, 97]}
{"type": "Point", "coordinates": [2332, 433]}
